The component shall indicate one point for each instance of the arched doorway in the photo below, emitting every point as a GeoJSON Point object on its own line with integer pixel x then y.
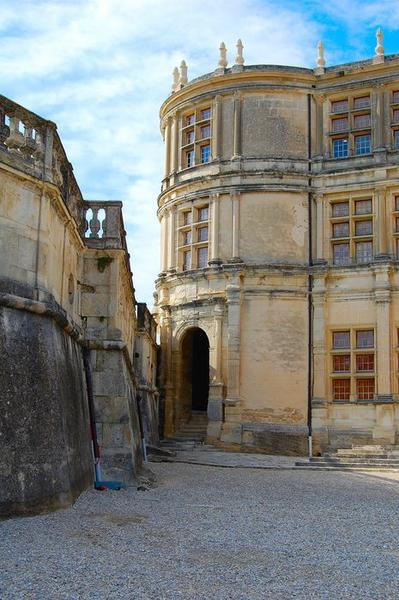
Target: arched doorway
{"type": "Point", "coordinates": [194, 384]}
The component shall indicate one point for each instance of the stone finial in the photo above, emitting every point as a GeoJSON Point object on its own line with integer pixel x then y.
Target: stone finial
{"type": "Point", "coordinates": [320, 60]}
{"type": "Point", "coordinates": [176, 79]}
{"type": "Point", "coordinates": [183, 73]}
{"type": "Point", "coordinates": [223, 56]}
{"type": "Point", "coordinates": [239, 58]}
{"type": "Point", "coordinates": [379, 49]}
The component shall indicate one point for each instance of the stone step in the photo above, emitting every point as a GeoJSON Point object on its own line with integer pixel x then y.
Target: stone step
{"type": "Point", "coordinates": [348, 466]}
{"type": "Point", "coordinates": [354, 460]}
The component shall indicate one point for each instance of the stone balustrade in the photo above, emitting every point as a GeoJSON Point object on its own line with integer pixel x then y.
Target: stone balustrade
{"type": "Point", "coordinates": [104, 226]}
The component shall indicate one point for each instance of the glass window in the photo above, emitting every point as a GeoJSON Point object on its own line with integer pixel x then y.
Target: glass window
{"type": "Point", "coordinates": [364, 251]}
{"type": "Point", "coordinates": [202, 257]}
{"type": "Point", "coordinates": [187, 260]}
{"type": "Point", "coordinates": [397, 224]}
{"type": "Point", "coordinates": [340, 209]}
{"type": "Point", "coordinates": [395, 97]}
{"type": "Point", "coordinates": [363, 227]}
{"type": "Point", "coordinates": [341, 254]}
{"type": "Point", "coordinates": [340, 124]}
{"type": "Point", "coordinates": [205, 131]}
{"type": "Point", "coordinates": [341, 339]}
{"type": "Point", "coordinates": [341, 389]}
{"type": "Point", "coordinates": [190, 119]}
{"type": "Point", "coordinates": [341, 363]}
{"type": "Point", "coordinates": [187, 238]}
{"type": "Point", "coordinates": [205, 153]}
{"type": "Point", "coordinates": [340, 148]}
{"type": "Point", "coordinates": [203, 234]}
{"type": "Point", "coordinates": [396, 115]}
{"type": "Point", "coordinates": [206, 113]}
{"type": "Point", "coordinates": [363, 207]}
{"type": "Point", "coordinates": [340, 230]}
{"type": "Point", "coordinates": [339, 106]}
{"type": "Point", "coordinates": [396, 140]}
{"type": "Point", "coordinates": [361, 102]}
{"type": "Point", "coordinates": [187, 217]}
{"type": "Point", "coordinates": [362, 144]}
{"type": "Point", "coordinates": [396, 202]}
{"type": "Point", "coordinates": [365, 339]}
{"type": "Point", "coordinates": [361, 121]}
{"type": "Point", "coordinates": [365, 362]}
{"type": "Point", "coordinates": [203, 214]}
{"type": "Point", "coordinates": [190, 158]}
{"type": "Point", "coordinates": [190, 137]}
{"type": "Point", "coordinates": [365, 389]}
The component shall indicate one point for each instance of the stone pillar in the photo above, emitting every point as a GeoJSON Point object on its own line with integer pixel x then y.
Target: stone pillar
{"type": "Point", "coordinates": [214, 245]}
{"type": "Point", "coordinates": [217, 128]}
{"type": "Point", "coordinates": [382, 295]}
{"type": "Point", "coordinates": [387, 130]}
{"type": "Point", "coordinates": [377, 113]}
{"type": "Point", "coordinates": [232, 425]}
{"type": "Point", "coordinates": [237, 127]}
{"type": "Point", "coordinates": [380, 199]}
{"type": "Point", "coordinates": [319, 401]}
{"type": "Point", "coordinates": [167, 346]}
{"type": "Point", "coordinates": [235, 227]}
{"type": "Point", "coordinates": [319, 227]}
{"type": "Point", "coordinates": [174, 158]}
{"type": "Point", "coordinates": [164, 240]}
{"type": "Point", "coordinates": [172, 263]}
{"type": "Point", "coordinates": [215, 401]}
{"type": "Point", "coordinates": [167, 147]}
{"type": "Point", "coordinates": [319, 102]}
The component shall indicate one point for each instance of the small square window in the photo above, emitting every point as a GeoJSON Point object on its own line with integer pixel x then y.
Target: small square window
{"type": "Point", "coordinates": [361, 121]}
{"type": "Point", "coordinates": [205, 113]}
{"type": "Point", "coordinates": [364, 252]}
{"type": "Point", "coordinates": [395, 97]}
{"type": "Point", "coordinates": [341, 254]}
{"type": "Point", "coordinates": [187, 260]}
{"type": "Point", "coordinates": [365, 389]}
{"type": "Point", "coordinates": [341, 389]}
{"type": "Point", "coordinates": [205, 132]}
{"type": "Point", "coordinates": [190, 137]}
{"type": "Point", "coordinates": [202, 257]}
{"type": "Point", "coordinates": [341, 339]}
{"type": "Point", "coordinates": [205, 154]}
{"type": "Point", "coordinates": [397, 203]}
{"type": "Point", "coordinates": [365, 362]}
{"type": "Point", "coordinates": [365, 339]}
{"type": "Point", "coordinates": [361, 102]}
{"type": "Point", "coordinates": [203, 234]}
{"type": "Point", "coordinates": [363, 207]}
{"type": "Point", "coordinates": [364, 227]}
{"type": "Point", "coordinates": [395, 115]}
{"type": "Point", "coordinates": [340, 230]}
{"type": "Point", "coordinates": [340, 124]}
{"type": "Point", "coordinates": [203, 214]}
{"type": "Point", "coordinates": [190, 119]}
{"type": "Point", "coordinates": [190, 158]}
{"type": "Point", "coordinates": [362, 144]}
{"type": "Point", "coordinates": [339, 106]}
{"type": "Point", "coordinates": [340, 209]}
{"type": "Point", "coordinates": [187, 238]}
{"type": "Point", "coordinates": [341, 363]}
{"type": "Point", "coordinates": [340, 148]}
{"type": "Point", "coordinates": [187, 217]}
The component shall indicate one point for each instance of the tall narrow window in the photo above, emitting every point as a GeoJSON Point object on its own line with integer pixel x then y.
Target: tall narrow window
{"type": "Point", "coordinates": [195, 129]}
{"type": "Point", "coordinates": [352, 231]}
{"type": "Point", "coordinates": [193, 234]}
{"type": "Point", "coordinates": [353, 365]}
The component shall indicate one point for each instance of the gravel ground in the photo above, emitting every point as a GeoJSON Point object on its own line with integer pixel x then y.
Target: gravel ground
{"type": "Point", "coordinates": [213, 533]}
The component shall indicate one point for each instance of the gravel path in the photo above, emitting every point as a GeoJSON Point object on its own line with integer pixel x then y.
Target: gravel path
{"type": "Point", "coordinates": [213, 533]}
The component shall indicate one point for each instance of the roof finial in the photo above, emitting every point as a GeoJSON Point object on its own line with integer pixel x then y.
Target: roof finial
{"type": "Point", "coordinates": [176, 79]}
{"type": "Point", "coordinates": [183, 73]}
{"type": "Point", "coordinates": [320, 60]}
{"type": "Point", "coordinates": [239, 57]}
{"type": "Point", "coordinates": [379, 49]}
{"type": "Point", "coordinates": [223, 56]}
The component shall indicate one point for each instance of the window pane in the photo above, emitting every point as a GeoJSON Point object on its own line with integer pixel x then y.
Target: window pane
{"type": "Point", "coordinates": [341, 389]}
{"type": "Point", "coordinates": [363, 207]}
{"type": "Point", "coordinates": [397, 201]}
{"type": "Point", "coordinates": [396, 140]}
{"type": "Point", "coordinates": [396, 115]}
{"type": "Point", "coordinates": [395, 97]}
{"type": "Point", "coordinates": [341, 363]}
{"type": "Point", "coordinates": [340, 124]}
{"type": "Point", "coordinates": [340, 209]}
{"type": "Point", "coordinates": [189, 137]}
{"type": "Point", "coordinates": [205, 154]}
{"type": "Point", "coordinates": [190, 158]}
{"type": "Point", "coordinates": [340, 148]}
{"type": "Point", "coordinates": [203, 214]}
{"type": "Point", "coordinates": [365, 339]}
{"type": "Point", "coordinates": [363, 227]}
{"type": "Point", "coordinates": [362, 144]}
{"type": "Point", "coordinates": [364, 251]}
{"type": "Point", "coordinates": [361, 121]}
{"type": "Point", "coordinates": [340, 230]}
{"type": "Point", "coordinates": [187, 260]}
{"type": "Point", "coordinates": [397, 224]}
{"type": "Point", "coordinates": [203, 234]}
{"type": "Point", "coordinates": [187, 237]}
{"type": "Point", "coordinates": [205, 131]}
{"type": "Point", "coordinates": [202, 257]}
{"type": "Point", "coordinates": [188, 217]}
{"type": "Point", "coordinates": [365, 389]}
{"type": "Point", "coordinates": [341, 254]}
{"type": "Point", "coordinates": [206, 113]}
{"type": "Point", "coordinates": [190, 119]}
{"type": "Point", "coordinates": [341, 339]}
{"type": "Point", "coordinates": [365, 362]}
{"type": "Point", "coordinates": [361, 102]}
{"type": "Point", "coordinates": [339, 106]}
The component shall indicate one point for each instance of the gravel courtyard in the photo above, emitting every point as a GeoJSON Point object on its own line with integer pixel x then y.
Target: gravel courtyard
{"type": "Point", "coordinates": [210, 532]}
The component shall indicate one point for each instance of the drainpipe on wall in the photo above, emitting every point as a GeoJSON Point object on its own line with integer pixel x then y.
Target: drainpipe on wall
{"type": "Point", "coordinates": [310, 278]}
{"type": "Point", "coordinates": [90, 398]}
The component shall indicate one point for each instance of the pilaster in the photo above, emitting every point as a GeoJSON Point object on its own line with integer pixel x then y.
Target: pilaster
{"type": "Point", "coordinates": [237, 127]}
{"type": "Point", "coordinates": [214, 245]}
{"type": "Point", "coordinates": [217, 128]}
{"type": "Point", "coordinates": [215, 401]}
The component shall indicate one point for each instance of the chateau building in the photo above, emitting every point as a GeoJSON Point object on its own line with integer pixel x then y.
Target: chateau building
{"type": "Point", "coordinates": [278, 296]}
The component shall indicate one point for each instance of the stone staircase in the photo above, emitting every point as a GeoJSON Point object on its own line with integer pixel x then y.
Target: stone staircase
{"type": "Point", "coordinates": [357, 458]}
{"type": "Point", "coordinates": [190, 434]}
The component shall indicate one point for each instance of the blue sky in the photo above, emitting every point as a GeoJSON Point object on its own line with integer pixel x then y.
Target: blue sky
{"type": "Point", "coordinates": [101, 68]}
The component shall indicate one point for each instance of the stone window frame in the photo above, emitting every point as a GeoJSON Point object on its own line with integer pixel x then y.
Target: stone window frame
{"type": "Point", "coordinates": [349, 108]}
{"type": "Point", "coordinates": [191, 221]}
{"type": "Point", "coordinates": [394, 104]}
{"type": "Point", "coordinates": [356, 377]}
{"type": "Point", "coordinates": [193, 122]}
{"type": "Point", "coordinates": [352, 241]}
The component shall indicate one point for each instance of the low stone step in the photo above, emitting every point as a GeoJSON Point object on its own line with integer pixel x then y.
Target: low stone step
{"type": "Point", "coordinates": [348, 466]}
{"type": "Point", "coordinates": [354, 460]}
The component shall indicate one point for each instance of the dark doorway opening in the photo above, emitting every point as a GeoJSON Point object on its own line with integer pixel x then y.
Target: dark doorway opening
{"type": "Point", "coordinates": [195, 350]}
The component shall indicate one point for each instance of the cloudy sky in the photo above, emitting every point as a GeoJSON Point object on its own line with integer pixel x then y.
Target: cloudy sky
{"type": "Point", "coordinates": [101, 68]}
